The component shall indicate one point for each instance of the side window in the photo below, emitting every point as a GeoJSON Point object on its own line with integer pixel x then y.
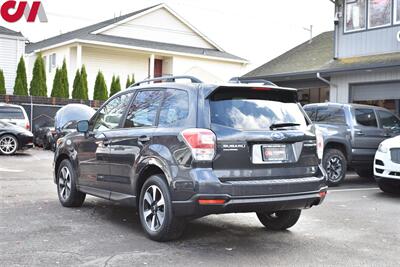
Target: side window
{"type": "Point", "coordinates": [175, 108]}
{"type": "Point", "coordinates": [366, 117]}
{"type": "Point", "coordinates": [110, 115]}
{"type": "Point", "coordinates": [331, 115]}
{"type": "Point", "coordinates": [311, 112]}
{"type": "Point", "coordinates": [143, 111]}
{"type": "Point", "coordinates": [388, 120]}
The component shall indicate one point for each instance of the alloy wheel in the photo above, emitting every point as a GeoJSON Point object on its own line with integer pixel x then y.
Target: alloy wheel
{"type": "Point", "coordinates": [8, 145]}
{"type": "Point", "coordinates": [153, 208]}
{"type": "Point", "coordinates": [334, 169]}
{"type": "Point", "coordinates": [64, 183]}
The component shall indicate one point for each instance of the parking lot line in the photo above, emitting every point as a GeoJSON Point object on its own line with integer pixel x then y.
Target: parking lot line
{"type": "Point", "coordinates": [355, 189]}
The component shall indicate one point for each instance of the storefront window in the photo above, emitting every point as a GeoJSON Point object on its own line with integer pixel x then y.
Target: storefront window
{"type": "Point", "coordinates": [355, 15]}
{"type": "Point", "coordinates": [380, 13]}
{"type": "Point", "coordinates": [397, 11]}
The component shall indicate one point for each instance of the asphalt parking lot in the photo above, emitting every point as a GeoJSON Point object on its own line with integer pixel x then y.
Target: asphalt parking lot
{"type": "Point", "coordinates": [358, 225]}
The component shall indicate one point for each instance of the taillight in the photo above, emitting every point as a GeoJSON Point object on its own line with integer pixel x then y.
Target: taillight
{"type": "Point", "coordinates": [27, 126]}
{"type": "Point", "coordinates": [320, 143]}
{"type": "Point", "coordinates": [201, 142]}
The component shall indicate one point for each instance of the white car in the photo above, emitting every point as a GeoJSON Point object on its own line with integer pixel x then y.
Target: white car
{"type": "Point", "coordinates": [14, 114]}
{"type": "Point", "coordinates": [387, 165]}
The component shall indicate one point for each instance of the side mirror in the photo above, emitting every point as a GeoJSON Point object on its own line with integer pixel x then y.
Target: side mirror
{"type": "Point", "coordinates": [82, 126]}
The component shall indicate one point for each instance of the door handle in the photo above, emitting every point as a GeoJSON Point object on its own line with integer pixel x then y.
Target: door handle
{"type": "Point", "coordinates": [144, 138]}
{"type": "Point", "coordinates": [359, 133]}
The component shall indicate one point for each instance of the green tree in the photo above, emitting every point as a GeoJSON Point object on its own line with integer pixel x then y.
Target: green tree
{"type": "Point", "coordinates": [133, 79]}
{"type": "Point", "coordinates": [57, 90]}
{"type": "Point", "coordinates": [21, 83]}
{"type": "Point", "coordinates": [115, 86]}
{"type": "Point", "coordinates": [64, 81]}
{"type": "Point", "coordinates": [2, 83]}
{"type": "Point", "coordinates": [76, 87]}
{"type": "Point", "coordinates": [128, 82]}
{"type": "Point", "coordinates": [100, 88]}
{"type": "Point", "coordinates": [84, 83]}
{"type": "Point", "coordinates": [38, 85]}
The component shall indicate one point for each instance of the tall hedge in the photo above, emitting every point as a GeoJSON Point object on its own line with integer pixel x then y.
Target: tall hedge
{"type": "Point", "coordinates": [38, 85]}
{"type": "Point", "coordinates": [64, 81]}
{"type": "Point", "coordinates": [130, 81]}
{"type": "Point", "coordinates": [58, 86]}
{"type": "Point", "coordinates": [21, 83]}
{"type": "Point", "coordinates": [115, 86]}
{"type": "Point", "coordinates": [76, 87]}
{"type": "Point", "coordinates": [100, 88]}
{"type": "Point", "coordinates": [2, 83]}
{"type": "Point", "coordinates": [84, 84]}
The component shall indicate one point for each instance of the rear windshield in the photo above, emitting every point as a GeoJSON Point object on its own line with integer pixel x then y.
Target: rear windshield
{"type": "Point", "coordinates": [255, 110]}
{"type": "Point", "coordinates": [11, 113]}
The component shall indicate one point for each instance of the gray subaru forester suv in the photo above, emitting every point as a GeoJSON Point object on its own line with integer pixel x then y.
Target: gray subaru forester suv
{"type": "Point", "coordinates": [179, 151]}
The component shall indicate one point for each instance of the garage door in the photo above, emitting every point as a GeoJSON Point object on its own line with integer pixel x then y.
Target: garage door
{"type": "Point", "coordinates": [377, 91]}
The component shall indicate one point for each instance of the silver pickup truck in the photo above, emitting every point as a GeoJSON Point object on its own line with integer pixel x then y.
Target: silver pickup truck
{"type": "Point", "coordinates": [352, 134]}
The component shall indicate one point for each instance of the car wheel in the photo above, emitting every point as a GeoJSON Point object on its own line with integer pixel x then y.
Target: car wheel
{"type": "Point", "coordinates": [155, 211]}
{"type": "Point", "coordinates": [279, 220]}
{"type": "Point", "coordinates": [68, 195]}
{"type": "Point", "coordinates": [389, 186]}
{"type": "Point", "coordinates": [8, 144]}
{"type": "Point", "coordinates": [335, 165]}
{"type": "Point", "coordinates": [365, 173]}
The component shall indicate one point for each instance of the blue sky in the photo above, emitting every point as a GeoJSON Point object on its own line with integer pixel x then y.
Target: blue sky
{"type": "Point", "coordinates": [257, 30]}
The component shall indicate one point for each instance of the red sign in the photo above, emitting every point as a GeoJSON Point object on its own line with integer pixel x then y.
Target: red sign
{"type": "Point", "coordinates": [13, 11]}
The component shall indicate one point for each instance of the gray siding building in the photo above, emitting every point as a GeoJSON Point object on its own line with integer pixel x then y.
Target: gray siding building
{"type": "Point", "coordinates": [358, 62]}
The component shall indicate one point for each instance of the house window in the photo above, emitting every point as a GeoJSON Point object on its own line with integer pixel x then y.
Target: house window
{"type": "Point", "coordinates": [52, 61]}
{"type": "Point", "coordinates": [379, 13]}
{"type": "Point", "coordinates": [355, 15]}
{"type": "Point", "coordinates": [397, 11]}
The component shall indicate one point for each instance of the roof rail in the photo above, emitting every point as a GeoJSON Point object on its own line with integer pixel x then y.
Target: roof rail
{"type": "Point", "coordinates": [248, 81]}
{"type": "Point", "coordinates": [168, 79]}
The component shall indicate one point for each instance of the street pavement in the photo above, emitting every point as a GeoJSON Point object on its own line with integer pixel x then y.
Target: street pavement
{"type": "Point", "coordinates": [357, 225]}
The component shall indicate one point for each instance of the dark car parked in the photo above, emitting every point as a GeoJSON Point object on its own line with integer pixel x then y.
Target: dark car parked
{"type": "Point", "coordinates": [179, 151]}
{"type": "Point", "coordinates": [14, 138]}
{"type": "Point", "coordinates": [43, 135]}
{"type": "Point", "coordinates": [352, 134]}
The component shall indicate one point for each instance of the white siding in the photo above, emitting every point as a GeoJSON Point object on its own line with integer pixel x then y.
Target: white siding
{"type": "Point", "coordinates": [209, 71]}
{"type": "Point", "coordinates": [113, 62]}
{"type": "Point", "coordinates": [11, 50]}
{"type": "Point", "coordinates": [159, 26]}
{"type": "Point", "coordinates": [343, 82]}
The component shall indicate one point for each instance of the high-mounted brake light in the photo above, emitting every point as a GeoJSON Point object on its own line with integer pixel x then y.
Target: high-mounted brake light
{"type": "Point", "coordinates": [201, 142]}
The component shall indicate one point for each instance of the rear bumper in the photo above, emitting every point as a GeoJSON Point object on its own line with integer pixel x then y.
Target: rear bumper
{"type": "Point", "coordinates": [251, 195]}
{"type": "Point", "coordinates": [192, 207]}
{"type": "Point", "coordinates": [25, 142]}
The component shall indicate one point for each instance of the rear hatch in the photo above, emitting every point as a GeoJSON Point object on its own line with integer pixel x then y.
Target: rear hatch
{"type": "Point", "coordinates": [262, 135]}
{"type": "Point", "coordinates": [13, 115]}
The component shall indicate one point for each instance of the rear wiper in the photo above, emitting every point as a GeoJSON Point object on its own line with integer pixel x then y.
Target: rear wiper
{"type": "Point", "coordinates": [283, 125]}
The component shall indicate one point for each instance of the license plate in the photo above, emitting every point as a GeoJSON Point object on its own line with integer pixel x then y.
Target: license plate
{"type": "Point", "coordinates": [274, 153]}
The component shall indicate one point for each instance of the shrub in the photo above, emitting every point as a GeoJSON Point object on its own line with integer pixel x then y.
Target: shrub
{"type": "Point", "coordinates": [76, 87]}
{"type": "Point", "coordinates": [38, 85]}
{"type": "Point", "coordinates": [84, 83]}
{"type": "Point", "coordinates": [21, 83]}
{"type": "Point", "coordinates": [2, 84]}
{"type": "Point", "coordinates": [100, 88]}
{"type": "Point", "coordinates": [57, 90]}
{"type": "Point", "coordinates": [115, 86]}
{"type": "Point", "coordinates": [128, 82]}
{"type": "Point", "coordinates": [64, 81]}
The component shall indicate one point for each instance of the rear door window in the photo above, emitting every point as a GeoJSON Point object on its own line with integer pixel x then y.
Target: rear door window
{"type": "Point", "coordinates": [253, 110]}
{"type": "Point", "coordinates": [144, 109]}
{"type": "Point", "coordinates": [366, 117]}
{"type": "Point", "coordinates": [311, 112]}
{"type": "Point", "coordinates": [334, 115]}
{"type": "Point", "coordinates": [388, 120]}
{"type": "Point", "coordinates": [175, 108]}
{"type": "Point", "coordinates": [11, 113]}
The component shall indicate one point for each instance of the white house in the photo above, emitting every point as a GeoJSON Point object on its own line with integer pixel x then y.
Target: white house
{"type": "Point", "coordinates": [12, 47]}
{"type": "Point", "coordinates": [151, 42]}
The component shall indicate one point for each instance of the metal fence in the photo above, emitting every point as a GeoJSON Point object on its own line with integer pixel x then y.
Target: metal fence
{"type": "Point", "coordinates": [42, 110]}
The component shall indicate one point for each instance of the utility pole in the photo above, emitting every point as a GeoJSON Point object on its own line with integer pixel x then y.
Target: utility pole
{"type": "Point", "coordinates": [310, 30]}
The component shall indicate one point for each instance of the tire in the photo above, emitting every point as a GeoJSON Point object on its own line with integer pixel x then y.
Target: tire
{"type": "Point", "coordinates": [390, 187]}
{"type": "Point", "coordinates": [280, 220]}
{"type": "Point", "coordinates": [157, 218]}
{"type": "Point", "coordinates": [68, 195]}
{"type": "Point", "coordinates": [365, 173]}
{"type": "Point", "coordinates": [335, 165]}
{"type": "Point", "coordinates": [8, 144]}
